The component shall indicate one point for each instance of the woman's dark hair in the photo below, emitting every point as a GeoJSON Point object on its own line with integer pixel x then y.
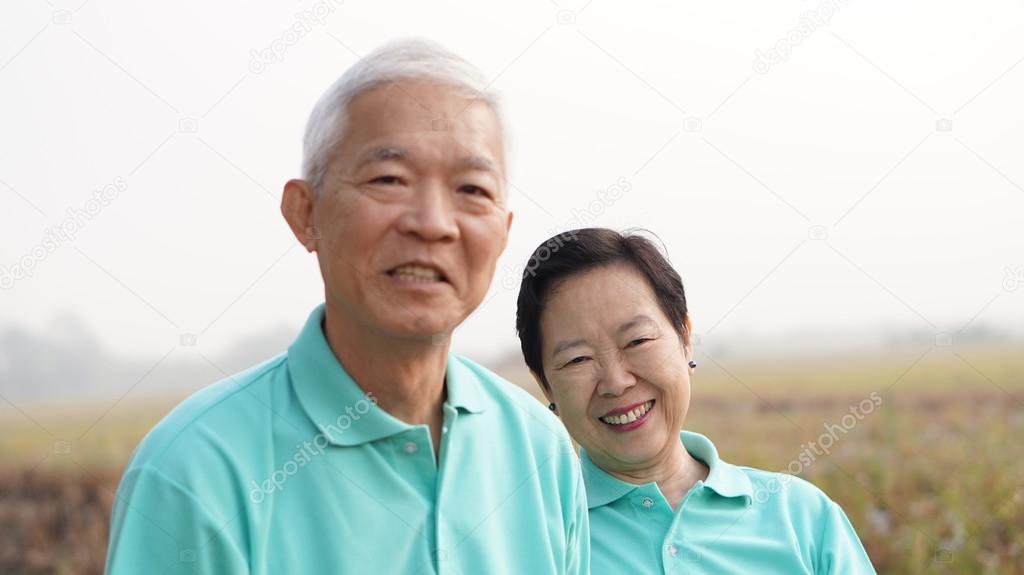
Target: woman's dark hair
{"type": "Point", "coordinates": [578, 251]}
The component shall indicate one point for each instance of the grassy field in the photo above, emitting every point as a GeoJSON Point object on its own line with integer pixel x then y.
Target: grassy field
{"type": "Point", "coordinates": [932, 475]}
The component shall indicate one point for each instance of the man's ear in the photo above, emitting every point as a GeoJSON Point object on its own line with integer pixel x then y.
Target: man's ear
{"type": "Point", "coordinates": [297, 206]}
{"type": "Point", "coordinates": [543, 386]}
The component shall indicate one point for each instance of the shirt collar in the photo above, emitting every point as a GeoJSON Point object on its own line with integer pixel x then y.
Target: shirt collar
{"type": "Point", "coordinates": [725, 479]}
{"type": "Point", "coordinates": [336, 404]}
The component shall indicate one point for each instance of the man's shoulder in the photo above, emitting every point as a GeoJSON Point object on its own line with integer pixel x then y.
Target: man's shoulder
{"type": "Point", "coordinates": [519, 407]}
{"type": "Point", "coordinates": [230, 408]}
{"type": "Point", "coordinates": [500, 390]}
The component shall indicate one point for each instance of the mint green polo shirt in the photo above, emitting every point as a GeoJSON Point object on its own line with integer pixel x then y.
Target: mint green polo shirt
{"type": "Point", "coordinates": [739, 520]}
{"type": "Point", "coordinates": [289, 467]}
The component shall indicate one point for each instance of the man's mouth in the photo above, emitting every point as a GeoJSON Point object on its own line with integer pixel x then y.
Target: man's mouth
{"type": "Point", "coordinates": [418, 273]}
{"type": "Point", "coordinates": [628, 415]}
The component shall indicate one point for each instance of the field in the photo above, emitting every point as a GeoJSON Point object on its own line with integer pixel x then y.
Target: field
{"type": "Point", "coordinates": [923, 449]}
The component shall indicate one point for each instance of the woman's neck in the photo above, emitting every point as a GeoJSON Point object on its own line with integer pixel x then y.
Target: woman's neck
{"type": "Point", "coordinates": [675, 472]}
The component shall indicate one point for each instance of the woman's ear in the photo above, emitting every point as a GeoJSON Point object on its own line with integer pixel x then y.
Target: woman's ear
{"type": "Point", "coordinates": [543, 386]}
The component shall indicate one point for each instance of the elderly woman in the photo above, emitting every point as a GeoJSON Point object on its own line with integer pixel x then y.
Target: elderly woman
{"type": "Point", "coordinates": [604, 329]}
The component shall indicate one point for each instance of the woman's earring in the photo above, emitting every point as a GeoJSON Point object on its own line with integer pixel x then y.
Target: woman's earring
{"type": "Point", "coordinates": [693, 364]}
{"type": "Point", "coordinates": [551, 406]}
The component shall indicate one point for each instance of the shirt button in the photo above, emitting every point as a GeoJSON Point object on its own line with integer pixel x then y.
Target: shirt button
{"type": "Point", "coordinates": [672, 550]}
{"type": "Point", "coordinates": [444, 429]}
{"type": "Point", "coordinates": [648, 502]}
{"type": "Point", "coordinates": [410, 448]}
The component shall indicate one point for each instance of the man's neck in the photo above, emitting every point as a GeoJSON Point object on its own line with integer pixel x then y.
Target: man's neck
{"type": "Point", "coordinates": [406, 376]}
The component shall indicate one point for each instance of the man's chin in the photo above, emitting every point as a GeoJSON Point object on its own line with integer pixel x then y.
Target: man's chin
{"type": "Point", "coordinates": [436, 330]}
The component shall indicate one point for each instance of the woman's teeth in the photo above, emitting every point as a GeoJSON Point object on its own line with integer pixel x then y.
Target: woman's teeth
{"type": "Point", "coordinates": [629, 416]}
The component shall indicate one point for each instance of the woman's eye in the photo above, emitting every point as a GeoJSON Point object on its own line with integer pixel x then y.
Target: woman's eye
{"type": "Point", "coordinates": [577, 360]}
{"type": "Point", "coordinates": [638, 341]}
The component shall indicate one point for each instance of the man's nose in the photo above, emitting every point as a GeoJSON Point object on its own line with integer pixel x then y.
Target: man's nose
{"type": "Point", "coordinates": [430, 214]}
{"type": "Point", "coordinates": [616, 378]}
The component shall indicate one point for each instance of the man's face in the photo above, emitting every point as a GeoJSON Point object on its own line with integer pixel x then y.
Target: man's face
{"type": "Point", "coordinates": [412, 214]}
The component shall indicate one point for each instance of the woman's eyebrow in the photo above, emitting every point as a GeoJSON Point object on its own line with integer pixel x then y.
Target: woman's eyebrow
{"type": "Point", "coordinates": [635, 322]}
{"type": "Point", "coordinates": [567, 344]}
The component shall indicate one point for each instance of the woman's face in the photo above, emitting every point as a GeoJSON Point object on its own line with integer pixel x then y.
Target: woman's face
{"type": "Point", "coordinates": [618, 370]}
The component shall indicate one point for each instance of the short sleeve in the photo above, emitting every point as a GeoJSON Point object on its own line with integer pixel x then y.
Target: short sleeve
{"type": "Point", "coordinates": [159, 526]}
{"type": "Point", "coordinates": [841, 549]}
{"type": "Point", "coordinates": [578, 547]}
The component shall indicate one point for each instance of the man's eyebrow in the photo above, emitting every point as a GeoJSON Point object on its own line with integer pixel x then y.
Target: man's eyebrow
{"type": "Point", "coordinates": [382, 154]}
{"type": "Point", "coordinates": [479, 163]}
{"type": "Point", "coordinates": [567, 344]}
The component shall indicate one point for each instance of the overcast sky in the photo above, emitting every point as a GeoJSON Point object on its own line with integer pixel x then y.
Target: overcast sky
{"type": "Point", "coordinates": [810, 166]}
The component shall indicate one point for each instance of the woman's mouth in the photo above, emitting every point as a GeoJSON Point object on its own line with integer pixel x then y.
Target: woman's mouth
{"type": "Point", "coordinates": [634, 417]}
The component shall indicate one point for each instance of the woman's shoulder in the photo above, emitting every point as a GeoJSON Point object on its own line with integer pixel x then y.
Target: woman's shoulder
{"type": "Point", "coordinates": [801, 503]}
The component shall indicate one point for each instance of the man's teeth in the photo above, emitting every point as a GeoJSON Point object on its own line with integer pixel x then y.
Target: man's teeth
{"type": "Point", "coordinates": [629, 416]}
{"type": "Point", "coordinates": [417, 273]}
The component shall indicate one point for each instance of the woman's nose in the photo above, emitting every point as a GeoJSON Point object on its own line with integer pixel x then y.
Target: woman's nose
{"type": "Point", "coordinates": [616, 379]}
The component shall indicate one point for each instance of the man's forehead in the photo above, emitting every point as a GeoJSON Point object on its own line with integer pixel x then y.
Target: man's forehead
{"type": "Point", "coordinates": [463, 157]}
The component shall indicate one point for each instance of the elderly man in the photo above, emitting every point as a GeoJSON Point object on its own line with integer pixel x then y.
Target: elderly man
{"type": "Point", "coordinates": [367, 447]}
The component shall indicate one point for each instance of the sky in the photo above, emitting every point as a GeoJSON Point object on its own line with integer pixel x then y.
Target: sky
{"type": "Point", "coordinates": [811, 168]}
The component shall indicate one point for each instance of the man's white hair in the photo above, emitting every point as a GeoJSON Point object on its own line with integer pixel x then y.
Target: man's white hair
{"type": "Point", "coordinates": [409, 59]}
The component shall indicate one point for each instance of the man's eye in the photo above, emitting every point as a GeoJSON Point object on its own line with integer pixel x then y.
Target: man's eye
{"type": "Point", "coordinates": [475, 191]}
{"type": "Point", "coordinates": [577, 360]}
{"type": "Point", "coordinates": [386, 180]}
